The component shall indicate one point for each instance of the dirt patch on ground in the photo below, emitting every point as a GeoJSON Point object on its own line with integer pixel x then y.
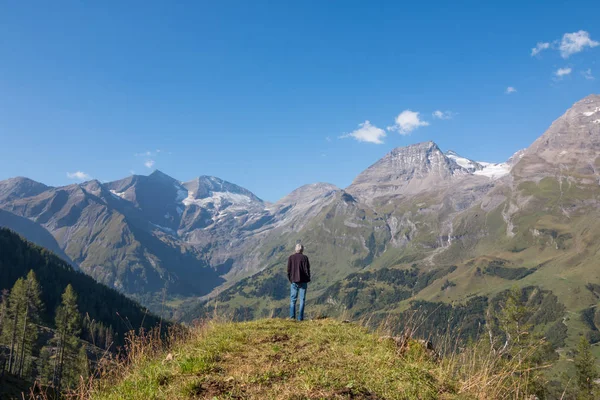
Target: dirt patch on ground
{"type": "Point", "coordinates": [356, 394]}
{"type": "Point", "coordinates": [209, 389]}
{"type": "Point", "coordinates": [341, 394]}
{"type": "Point", "coordinates": [277, 338]}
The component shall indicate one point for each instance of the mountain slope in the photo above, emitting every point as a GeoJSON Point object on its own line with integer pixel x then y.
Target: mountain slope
{"type": "Point", "coordinates": [100, 303]}
{"type": "Point", "coordinates": [33, 232]}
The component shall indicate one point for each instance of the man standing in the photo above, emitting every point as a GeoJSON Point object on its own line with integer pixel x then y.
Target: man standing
{"type": "Point", "coordinates": [299, 276]}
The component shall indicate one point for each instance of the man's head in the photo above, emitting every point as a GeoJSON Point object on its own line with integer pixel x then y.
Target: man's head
{"type": "Point", "coordinates": [299, 248]}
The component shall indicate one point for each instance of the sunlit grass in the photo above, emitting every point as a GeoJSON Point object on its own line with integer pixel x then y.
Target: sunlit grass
{"type": "Point", "coordinates": [283, 359]}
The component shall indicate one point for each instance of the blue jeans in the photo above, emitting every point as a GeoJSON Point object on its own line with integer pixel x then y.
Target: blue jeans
{"type": "Point", "coordinates": [294, 289]}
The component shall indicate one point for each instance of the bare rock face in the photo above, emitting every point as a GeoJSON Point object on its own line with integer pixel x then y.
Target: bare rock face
{"type": "Point", "coordinates": [212, 205]}
{"type": "Point", "coordinates": [299, 207]}
{"type": "Point", "coordinates": [571, 144]}
{"type": "Point", "coordinates": [407, 171]}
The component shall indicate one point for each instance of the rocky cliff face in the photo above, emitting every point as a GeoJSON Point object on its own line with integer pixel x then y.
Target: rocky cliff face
{"type": "Point", "coordinates": [407, 171]}
{"type": "Point", "coordinates": [571, 144]}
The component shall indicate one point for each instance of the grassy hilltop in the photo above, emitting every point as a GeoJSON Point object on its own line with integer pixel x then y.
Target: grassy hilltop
{"type": "Point", "coordinates": [320, 359]}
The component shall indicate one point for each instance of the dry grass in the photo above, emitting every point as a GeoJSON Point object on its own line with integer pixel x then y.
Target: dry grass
{"type": "Point", "coordinates": [281, 359]}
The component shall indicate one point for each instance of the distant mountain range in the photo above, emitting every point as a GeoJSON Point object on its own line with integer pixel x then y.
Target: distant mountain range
{"type": "Point", "coordinates": [416, 208]}
{"type": "Point", "coordinates": [142, 234]}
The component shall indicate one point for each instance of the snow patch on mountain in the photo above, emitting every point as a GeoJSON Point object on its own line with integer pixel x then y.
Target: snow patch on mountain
{"type": "Point", "coordinates": [590, 113]}
{"type": "Point", "coordinates": [467, 164]}
{"type": "Point", "coordinates": [118, 194]}
{"type": "Point", "coordinates": [492, 170]}
{"type": "Point", "coordinates": [482, 168]}
{"type": "Point", "coordinates": [164, 229]}
{"type": "Point", "coordinates": [218, 199]}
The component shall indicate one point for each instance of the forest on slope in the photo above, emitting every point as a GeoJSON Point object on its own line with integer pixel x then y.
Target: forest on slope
{"type": "Point", "coordinates": [55, 322]}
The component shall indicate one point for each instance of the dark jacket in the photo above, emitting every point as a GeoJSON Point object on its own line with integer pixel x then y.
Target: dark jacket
{"type": "Point", "coordinates": [298, 268]}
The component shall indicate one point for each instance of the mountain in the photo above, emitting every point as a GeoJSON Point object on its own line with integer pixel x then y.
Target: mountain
{"type": "Point", "coordinates": [408, 171]}
{"type": "Point", "coordinates": [117, 239]}
{"type": "Point", "coordinates": [19, 187]}
{"type": "Point", "coordinates": [571, 144]}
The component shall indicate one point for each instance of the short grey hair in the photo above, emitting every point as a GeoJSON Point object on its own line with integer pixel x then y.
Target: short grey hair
{"type": "Point", "coordinates": [299, 248]}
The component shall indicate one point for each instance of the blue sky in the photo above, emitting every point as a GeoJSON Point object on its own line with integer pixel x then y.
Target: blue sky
{"type": "Point", "coordinates": [259, 93]}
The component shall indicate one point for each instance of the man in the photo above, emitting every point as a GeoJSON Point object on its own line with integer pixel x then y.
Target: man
{"type": "Point", "coordinates": [299, 276]}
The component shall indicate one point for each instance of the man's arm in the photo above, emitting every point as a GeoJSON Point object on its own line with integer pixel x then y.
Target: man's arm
{"type": "Point", "coordinates": [290, 269]}
{"type": "Point", "coordinates": [308, 267]}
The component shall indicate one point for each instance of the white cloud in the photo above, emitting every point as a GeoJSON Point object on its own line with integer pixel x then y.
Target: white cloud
{"type": "Point", "coordinates": [562, 72]}
{"type": "Point", "coordinates": [541, 46]}
{"type": "Point", "coordinates": [443, 114]}
{"type": "Point", "coordinates": [407, 121]}
{"type": "Point", "coordinates": [510, 90]}
{"type": "Point", "coordinates": [149, 163]}
{"type": "Point", "coordinates": [328, 139]}
{"type": "Point", "coordinates": [587, 74]}
{"type": "Point", "coordinates": [575, 42]}
{"type": "Point", "coordinates": [79, 176]}
{"type": "Point", "coordinates": [367, 133]}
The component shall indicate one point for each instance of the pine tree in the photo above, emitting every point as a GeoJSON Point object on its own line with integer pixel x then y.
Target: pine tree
{"type": "Point", "coordinates": [19, 330]}
{"type": "Point", "coordinates": [3, 308]}
{"type": "Point", "coordinates": [29, 333]}
{"type": "Point", "coordinates": [16, 301]}
{"type": "Point", "coordinates": [83, 367]}
{"type": "Point", "coordinates": [512, 316]}
{"type": "Point", "coordinates": [585, 366]}
{"type": "Point", "coordinates": [45, 366]}
{"type": "Point", "coordinates": [68, 325]}
{"type": "Point", "coordinates": [528, 349]}
{"type": "Point", "coordinates": [3, 318]}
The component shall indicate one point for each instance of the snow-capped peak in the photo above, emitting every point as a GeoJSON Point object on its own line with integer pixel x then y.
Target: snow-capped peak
{"type": "Point", "coordinates": [218, 199]}
{"type": "Point", "coordinates": [465, 163]}
{"type": "Point", "coordinates": [482, 168]}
